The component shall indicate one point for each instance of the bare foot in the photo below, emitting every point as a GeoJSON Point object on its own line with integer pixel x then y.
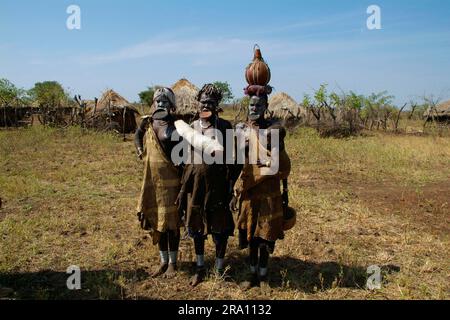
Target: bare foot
{"type": "Point", "coordinates": [264, 284]}
{"type": "Point", "coordinates": [197, 278]}
{"type": "Point", "coordinates": [162, 268]}
{"type": "Point", "coordinates": [252, 282]}
{"type": "Point", "coordinates": [171, 271]}
{"type": "Point", "coordinates": [219, 272]}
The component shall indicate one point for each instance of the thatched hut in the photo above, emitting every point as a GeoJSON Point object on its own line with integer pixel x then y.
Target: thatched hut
{"type": "Point", "coordinates": [283, 107]}
{"type": "Point", "coordinates": [31, 115]}
{"type": "Point", "coordinates": [15, 116]}
{"type": "Point", "coordinates": [440, 113]}
{"type": "Point", "coordinates": [114, 112]}
{"type": "Point", "coordinates": [186, 94]}
{"type": "Point", "coordinates": [111, 100]}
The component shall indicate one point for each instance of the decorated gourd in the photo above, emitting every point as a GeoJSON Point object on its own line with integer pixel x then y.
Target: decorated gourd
{"type": "Point", "coordinates": [257, 72]}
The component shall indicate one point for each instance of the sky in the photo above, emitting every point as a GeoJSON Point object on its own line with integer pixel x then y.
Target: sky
{"type": "Point", "coordinates": [130, 45]}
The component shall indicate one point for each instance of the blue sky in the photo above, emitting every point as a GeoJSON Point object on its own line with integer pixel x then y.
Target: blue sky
{"type": "Point", "coordinates": [129, 45]}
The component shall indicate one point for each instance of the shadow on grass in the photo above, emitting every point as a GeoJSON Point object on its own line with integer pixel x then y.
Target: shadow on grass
{"type": "Point", "coordinates": [284, 273]}
{"type": "Point", "coordinates": [49, 285]}
{"type": "Point", "coordinates": [308, 277]}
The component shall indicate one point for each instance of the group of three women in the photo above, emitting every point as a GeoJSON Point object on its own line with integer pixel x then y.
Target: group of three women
{"type": "Point", "coordinates": [211, 198]}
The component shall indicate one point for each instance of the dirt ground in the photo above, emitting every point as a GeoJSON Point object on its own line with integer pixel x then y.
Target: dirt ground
{"type": "Point", "coordinates": [69, 198]}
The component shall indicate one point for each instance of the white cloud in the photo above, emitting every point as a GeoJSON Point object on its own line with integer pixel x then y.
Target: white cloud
{"type": "Point", "coordinates": [168, 47]}
{"type": "Point", "coordinates": [333, 20]}
{"type": "Point", "coordinates": [202, 50]}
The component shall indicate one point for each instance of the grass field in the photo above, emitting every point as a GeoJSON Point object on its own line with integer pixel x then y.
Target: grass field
{"type": "Point", "coordinates": [69, 198]}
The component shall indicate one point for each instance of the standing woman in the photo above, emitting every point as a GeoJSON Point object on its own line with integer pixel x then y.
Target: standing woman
{"type": "Point", "coordinates": [206, 187]}
{"type": "Point", "coordinates": [157, 211]}
{"type": "Point", "coordinates": [262, 208]}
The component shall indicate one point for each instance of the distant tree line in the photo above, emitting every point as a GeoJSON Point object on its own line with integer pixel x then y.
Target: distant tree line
{"type": "Point", "coordinates": [43, 94]}
{"type": "Point", "coordinates": [333, 113]}
{"type": "Point", "coordinates": [347, 113]}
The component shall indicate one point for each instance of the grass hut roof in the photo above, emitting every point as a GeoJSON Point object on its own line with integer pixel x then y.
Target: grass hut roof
{"type": "Point", "coordinates": [444, 108]}
{"type": "Point", "coordinates": [441, 110]}
{"type": "Point", "coordinates": [284, 107]}
{"type": "Point", "coordinates": [186, 94]}
{"type": "Point", "coordinates": [113, 100]}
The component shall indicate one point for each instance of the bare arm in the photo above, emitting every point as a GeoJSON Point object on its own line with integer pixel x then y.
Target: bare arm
{"type": "Point", "coordinates": [139, 137]}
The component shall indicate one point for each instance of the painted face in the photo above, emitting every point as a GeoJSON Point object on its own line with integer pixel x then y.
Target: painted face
{"type": "Point", "coordinates": [256, 107]}
{"type": "Point", "coordinates": [163, 103]}
{"type": "Point", "coordinates": [163, 107]}
{"type": "Point", "coordinates": [208, 106]}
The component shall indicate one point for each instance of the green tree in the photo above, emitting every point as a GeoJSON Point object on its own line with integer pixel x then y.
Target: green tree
{"type": "Point", "coordinates": [10, 94]}
{"type": "Point", "coordinates": [343, 108]}
{"type": "Point", "coordinates": [146, 96]}
{"type": "Point", "coordinates": [378, 108]}
{"type": "Point", "coordinates": [325, 100]}
{"type": "Point", "coordinates": [226, 91]}
{"type": "Point", "coordinates": [49, 94]}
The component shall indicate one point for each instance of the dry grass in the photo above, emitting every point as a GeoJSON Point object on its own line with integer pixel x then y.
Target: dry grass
{"type": "Point", "coordinates": [69, 199]}
{"type": "Point", "coordinates": [398, 159]}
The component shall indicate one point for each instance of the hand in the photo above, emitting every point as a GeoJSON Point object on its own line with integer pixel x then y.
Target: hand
{"type": "Point", "coordinates": [259, 163]}
{"type": "Point", "coordinates": [179, 199]}
{"type": "Point", "coordinates": [233, 203]}
{"type": "Point", "coordinates": [285, 197]}
{"type": "Point", "coordinates": [139, 153]}
{"type": "Point", "coordinates": [144, 223]}
{"type": "Point", "coordinates": [265, 163]}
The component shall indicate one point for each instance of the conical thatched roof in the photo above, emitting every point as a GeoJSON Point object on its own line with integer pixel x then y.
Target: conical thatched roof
{"type": "Point", "coordinates": [186, 94]}
{"type": "Point", "coordinates": [284, 107]}
{"type": "Point", "coordinates": [442, 110]}
{"type": "Point", "coordinates": [113, 100]}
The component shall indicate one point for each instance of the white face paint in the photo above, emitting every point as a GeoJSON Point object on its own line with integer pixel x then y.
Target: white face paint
{"type": "Point", "coordinates": [164, 99]}
{"type": "Point", "coordinates": [256, 107]}
{"type": "Point", "coordinates": [163, 103]}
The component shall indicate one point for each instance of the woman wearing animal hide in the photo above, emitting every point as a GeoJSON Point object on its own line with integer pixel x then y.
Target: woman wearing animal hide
{"type": "Point", "coordinates": [259, 204]}
{"type": "Point", "coordinates": [157, 211]}
{"type": "Point", "coordinates": [206, 187]}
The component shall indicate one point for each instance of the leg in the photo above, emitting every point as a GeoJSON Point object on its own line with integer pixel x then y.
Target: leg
{"type": "Point", "coordinates": [253, 255]}
{"type": "Point", "coordinates": [243, 243]}
{"type": "Point", "coordinates": [263, 262]}
{"type": "Point", "coordinates": [264, 253]}
{"type": "Point", "coordinates": [199, 243]}
{"type": "Point", "coordinates": [174, 243]}
{"type": "Point", "coordinates": [164, 254]}
{"type": "Point", "coordinates": [254, 247]}
{"type": "Point", "coordinates": [221, 241]}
